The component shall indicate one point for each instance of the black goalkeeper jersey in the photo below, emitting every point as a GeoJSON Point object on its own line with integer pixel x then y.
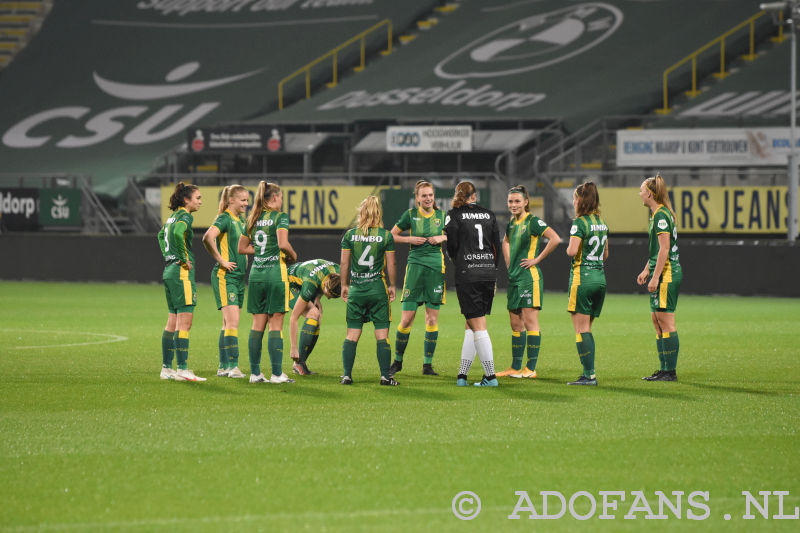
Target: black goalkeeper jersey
{"type": "Point", "coordinates": [473, 243]}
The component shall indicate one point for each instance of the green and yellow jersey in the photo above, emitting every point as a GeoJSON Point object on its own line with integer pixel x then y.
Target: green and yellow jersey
{"type": "Point", "coordinates": [367, 255]}
{"type": "Point", "coordinates": [230, 229]}
{"type": "Point", "coordinates": [662, 222]}
{"type": "Point", "coordinates": [269, 263]}
{"type": "Point", "coordinates": [424, 225]}
{"type": "Point", "coordinates": [592, 230]}
{"type": "Point", "coordinates": [175, 240]}
{"type": "Point", "coordinates": [307, 278]}
{"type": "Point", "coordinates": [524, 238]}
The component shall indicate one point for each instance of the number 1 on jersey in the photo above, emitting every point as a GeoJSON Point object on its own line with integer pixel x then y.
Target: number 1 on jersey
{"type": "Point", "coordinates": [480, 236]}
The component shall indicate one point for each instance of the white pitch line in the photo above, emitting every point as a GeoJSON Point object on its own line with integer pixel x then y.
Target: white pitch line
{"type": "Point", "coordinates": [108, 340]}
{"type": "Point", "coordinates": [165, 522]}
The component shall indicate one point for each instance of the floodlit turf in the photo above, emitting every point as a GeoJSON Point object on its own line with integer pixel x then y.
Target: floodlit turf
{"type": "Point", "coordinates": [93, 440]}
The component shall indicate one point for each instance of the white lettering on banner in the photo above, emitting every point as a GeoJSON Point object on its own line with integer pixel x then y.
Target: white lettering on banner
{"type": "Point", "coordinates": [60, 208]}
{"type": "Point", "coordinates": [428, 139]}
{"type": "Point", "coordinates": [107, 124]}
{"type": "Point", "coordinates": [703, 147]}
{"type": "Point", "coordinates": [185, 7]}
{"type": "Point", "coordinates": [454, 95]}
{"type": "Point", "coordinates": [12, 205]}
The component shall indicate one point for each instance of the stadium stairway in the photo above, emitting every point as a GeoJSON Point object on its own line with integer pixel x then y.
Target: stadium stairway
{"type": "Point", "coordinates": [19, 21]}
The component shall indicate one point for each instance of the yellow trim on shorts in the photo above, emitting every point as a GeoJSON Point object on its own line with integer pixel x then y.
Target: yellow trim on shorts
{"type": "Point", "coordinates": [287, 294]}
{"type": "Point", "coordinates": [187, 285]}
{"type": "Point", "coordinates": [573, 290]}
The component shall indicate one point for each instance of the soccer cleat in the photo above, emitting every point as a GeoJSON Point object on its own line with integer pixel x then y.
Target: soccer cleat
{"type": "Point", "coordinates": [507, 372]}
{"type": "Point", "coordinates": [487, 382]}
{"type": "Point", "coordinates": [346, 380]}
{"type": "Point", "coordinates": [666, 375]}
{"type": "Point", "coordinates": [283, 378]}
{"type": "Point", "coordinates": [167, 373]}
{"type": "Point", "coordinates": [583, 380]}
{"type": "Point", "coordinates": [461, 382]}
{"type": "Point", "coordinates": [427, 370]}
{"type": "Point", "coordinates": [188, 375]}
{"type": "Point", "coordinates": [389, 382]}
{"type": "Point", "coordinates": [652, 376]}
{"type": "Point", "coordinates": [301, 369]}
{"type": "Point", "coordinates": [396, 367]}
{"type": "Point", "coordinates": [235, 373]}
{"type": "Point", "coordinates": [222, 372]}
{"type": "Point", "coordinates": [260, 378]}
{"type": "Point", "coordinates": [525, 373]}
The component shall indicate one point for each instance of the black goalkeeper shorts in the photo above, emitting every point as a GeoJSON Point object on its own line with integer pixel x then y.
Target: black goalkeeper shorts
{"type": "Point", "coordinates": [475, 298]}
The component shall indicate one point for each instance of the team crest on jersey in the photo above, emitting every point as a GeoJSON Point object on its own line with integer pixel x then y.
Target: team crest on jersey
{"type": "Point", "coordinates": [437, 221]}
{"type": "Point", "coordinates": [406, 293]}
{"type": "Point", "coordinates": [232, 297]}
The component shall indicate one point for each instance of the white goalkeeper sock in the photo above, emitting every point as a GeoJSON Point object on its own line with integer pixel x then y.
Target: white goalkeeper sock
{"type": "Point", "coordinates": [483, 345]}
{"type": "Point", "coordinates": [467, 352]}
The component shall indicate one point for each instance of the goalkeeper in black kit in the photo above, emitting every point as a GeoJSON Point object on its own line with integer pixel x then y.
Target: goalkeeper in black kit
{"type": "Point", "coordinates": [473, 244]}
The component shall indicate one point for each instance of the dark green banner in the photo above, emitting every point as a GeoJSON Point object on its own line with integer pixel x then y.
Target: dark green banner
{"type": "Point", "coordinates": [60, 207]}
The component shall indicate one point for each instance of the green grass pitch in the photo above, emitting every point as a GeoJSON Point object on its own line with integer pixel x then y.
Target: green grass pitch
{"type": "Point", "coordinates": [92, 440]}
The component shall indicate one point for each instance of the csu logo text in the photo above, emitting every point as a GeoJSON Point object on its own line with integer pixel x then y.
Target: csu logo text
{"type": "Point", "coordinates": [96, 127]}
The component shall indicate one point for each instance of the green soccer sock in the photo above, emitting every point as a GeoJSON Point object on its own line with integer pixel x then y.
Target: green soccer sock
{"type": "Point", "coordinates": [182, 349]}
{"type": "Point", "coordinates": [533, 342]}
{"type": "Point", "coordinates": [429, 346]}
{"type": "Point", "coordinates": [671, 346]}
{"type": "Point", "coordinates": [231, 345]}
{"type": "Point", "coordinates": [384, 354]}
{"type": "Point", "coordinates": [517, 349]}
{"type": "Point", "coordinates": [167, 348]}
{"type": "Point", "coordinates": [314, 340]}
{"type": "Point", "coordinates": [254, 348]}
{"type": "Point", "coordinates": [400, 342]}
{"type": "Point", "coordinates": [308, 334]}
{"type": "Point", "coordinates": [585, 344]}
{"type": "Point", "coordinates": [660, 348]}
{"type": "Point", "coordinates": [223, 354]}
{"type": "Point", "coordinates": [348, 357]}
{"type": "Point", "coordinates": [275, 350]}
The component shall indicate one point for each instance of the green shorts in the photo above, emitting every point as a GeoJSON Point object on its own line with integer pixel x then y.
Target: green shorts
{"type": "Point", "coordinates": [181, 295]}
{"type": "Point", "coordinates": [665, 299]}
{"type": "Point", "coordinates": [422, 286]}
{"type": "Point", "coordinates": [268, 297]}
{"type": "Point", "coordinates": [227, 291]}
{"type": "Point", "coordinates": [368, 304]}
{"type": "Point", "coordinates": [525, 293]}
{"type": "Point", "coordinates": [587, 292]}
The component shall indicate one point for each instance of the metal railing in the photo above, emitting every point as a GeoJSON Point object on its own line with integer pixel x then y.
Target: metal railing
{"type": "Point", "coordinates": [334, 54]}
{"type": "Point", "coordinates": [693, 58]}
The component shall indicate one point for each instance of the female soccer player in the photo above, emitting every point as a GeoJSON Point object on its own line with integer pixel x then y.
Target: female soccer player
{"type": "Point", "coordinates": [267, 240]}
{"type": "Point", "coordinates": [588, 248]}
{"type": "Point", "coordinates": [664, 274]}
{"type": "Point", "coordinates": [424, 279]}
{"type": "Point", "coordinates": [308, 281]}
{"type": "Point", "coordinates": [227, 277]}
{"type": "Point", "coordinates": [367, 250]}
{"type": "Point", "coordinates": [521, 252]}
{"type": "Point", "coordinates": [473, 244]}
{"type": "Point", "coordinates": [175, 240]}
